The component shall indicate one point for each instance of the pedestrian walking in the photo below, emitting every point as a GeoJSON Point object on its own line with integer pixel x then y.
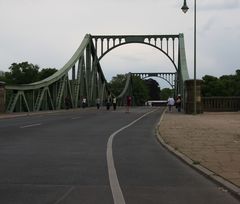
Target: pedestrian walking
{"type": "Point", "coordinates": [170, 103]}
{"type": "Point", "coordinates": [98, 103]}
{"type": "Point", "coordinates": [178, 102]}
{"type": "Point", "coordinates": [108, 102]}
{"type": "Point", "coordinates": [84, 102]}
{"type": "Point", "coordinates": [114, 103]}
{"type": "Point", "coordinates": [67, 102]}
{"type": "Point", "coordinates": [129, 102]}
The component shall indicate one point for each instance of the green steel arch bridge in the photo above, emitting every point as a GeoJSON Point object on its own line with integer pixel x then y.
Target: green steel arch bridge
{"type": "Point", "coordinates": [82, 75]}
{"type": "Point", "coordinates": [169, 77]}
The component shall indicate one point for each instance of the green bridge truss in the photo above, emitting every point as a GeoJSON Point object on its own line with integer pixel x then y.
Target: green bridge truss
{"type": "Point", "coordinates": [82, 75]}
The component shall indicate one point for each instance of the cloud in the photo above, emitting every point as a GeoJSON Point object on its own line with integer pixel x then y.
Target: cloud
{"type": "Point", "coordinates": [208, 26]}
{"type": "Point", "coordinates": [47, 33]}
{"type": "Point", "coordinates": [207, 5]}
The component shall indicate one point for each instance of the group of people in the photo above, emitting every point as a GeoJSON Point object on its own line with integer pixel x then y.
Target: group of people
{"type": "Point", "coordinates": [108, 102]}
{"type": "Point", "coordinates": [171, 102]}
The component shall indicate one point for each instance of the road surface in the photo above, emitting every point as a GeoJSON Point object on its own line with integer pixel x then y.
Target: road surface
{"type": "Point", "coordinates": [95, 156]}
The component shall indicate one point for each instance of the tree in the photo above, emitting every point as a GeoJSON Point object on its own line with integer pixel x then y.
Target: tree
{"type": "Point", "coordinates": [226, 85]}
{"type": "Point", "coordinates": [140, 91]}
{"type": "Point", "coordinates": [25, 73]}
{"type": "Point", "coordinates": [2, 78]}
{"type": "Point", "coordinates": [44, 73]}
{"type": "Point", "coordinates": [153, 89]}
{"type": "Point", "coordinates": [22, 73]}
{"type": "Point", "coordinates": [209, 85]}
{"type": "Point", "coordinates": [166, 93]}
{"type": "Point", "coordinates": [117, 84]}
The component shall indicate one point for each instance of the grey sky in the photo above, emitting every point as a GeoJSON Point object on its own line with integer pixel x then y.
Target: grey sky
{"type": "Point", "coordinates": [47, 32]}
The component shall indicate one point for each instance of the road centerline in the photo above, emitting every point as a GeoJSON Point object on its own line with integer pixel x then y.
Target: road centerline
{"type": "Point", "coordinates": [112, 174]}
{"type": "Point", "coordinates": [31, 125]}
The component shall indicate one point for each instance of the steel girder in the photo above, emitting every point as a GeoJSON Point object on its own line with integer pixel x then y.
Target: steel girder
{"type": "Point", "coordinates": [169, 77]}
{"type": "Point", "coordinates": [164, 43]}
{"type": "Point", "coordinates": [80, 77]}
{"type": "Point", "coordinates": [127, 91]}
{"type": "Point", "coordinates": [172, 46]}
{"type": "Point", "coordinates": [182, 72]}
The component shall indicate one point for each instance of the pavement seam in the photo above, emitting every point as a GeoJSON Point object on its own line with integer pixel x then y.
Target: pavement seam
{"type": "Point", "coordinates": [233, 189]}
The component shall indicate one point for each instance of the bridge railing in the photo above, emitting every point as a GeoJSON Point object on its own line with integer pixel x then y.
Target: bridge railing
{"type": "Point", "coordinates": [221, 104]}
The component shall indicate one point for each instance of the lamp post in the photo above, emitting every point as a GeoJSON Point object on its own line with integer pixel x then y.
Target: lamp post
{"type": "Point", "coordinates": [185, 9]}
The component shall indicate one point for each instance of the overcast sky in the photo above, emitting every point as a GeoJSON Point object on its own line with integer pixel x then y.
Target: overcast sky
{"type": "Point", "coordinates": [48, 32]}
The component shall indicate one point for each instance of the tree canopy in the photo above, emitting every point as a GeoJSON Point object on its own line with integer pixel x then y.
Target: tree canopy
{"type": "Point", "coordinates": [143, 90]}
{"type": "Point", "coordinates": [117, 84]}
{"type": "Point", "coordinates": [140, 91]}
{"type": "Point", "coordinates": [153, 89]}
{"type": "Point", "coordinates": [165, 93]}
{"type": "Point", "coordinates": [25, 73]}
{"type": "Point", "coordinates": [226, 85]}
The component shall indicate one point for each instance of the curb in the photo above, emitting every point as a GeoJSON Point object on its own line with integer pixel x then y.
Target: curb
{"type": "Point", "coordinates": [233, 189]}
{"type": "Point", "coordinates": [24, 114]}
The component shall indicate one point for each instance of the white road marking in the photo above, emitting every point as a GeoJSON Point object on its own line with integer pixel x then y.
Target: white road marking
{"type": "Point", "coordinates": [32, 125]}
{"type": "Point", "coordinates": [76, 118]}
{"type": "Point", "coordinates": [64, 195]}
{"type": "Point", "coordinates": [112, 174]}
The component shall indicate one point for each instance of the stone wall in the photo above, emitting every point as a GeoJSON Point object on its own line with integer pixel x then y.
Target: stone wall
{"type": "Point", "coordinates": [189, 96]}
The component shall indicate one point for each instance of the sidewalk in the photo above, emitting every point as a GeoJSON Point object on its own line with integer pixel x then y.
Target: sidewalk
{"type": "Point", "coordinates": [211, 140]}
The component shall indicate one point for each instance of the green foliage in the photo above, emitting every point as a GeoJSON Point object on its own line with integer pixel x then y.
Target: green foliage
{"type": "Point", "coordinates": [22, 73]}
{"type": "Point", "coordinates": [153, 89]}
{"type": "Point", "coordinates": [117, 84]}
{"type": "Point", "coordinates": [226, 85]}
{"type": "Point", "coordinates": [44, 73]}
{"type": "Point", "coordinates": [165, 93]}
{"type": "Point", "coordinates": [140, 91]}
{"type": "Point", "coordinates": [2, 78]}
{"type": "Point", "coordinates": [25, 73]}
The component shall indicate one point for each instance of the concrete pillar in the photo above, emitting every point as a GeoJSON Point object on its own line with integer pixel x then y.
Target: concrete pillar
{"type": "Point", "coordinates": [189, 96]}
{"type": "Point", "coordinates": [2, 97]}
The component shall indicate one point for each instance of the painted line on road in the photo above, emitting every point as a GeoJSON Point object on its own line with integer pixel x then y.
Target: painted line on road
{"type": "Point", "coordinates": [64, 195]}
{"type": "Point", "coordinates": [76, 118]}
{"type": "Point", "coordinates": [32, 125]}
{"type": "Point", "coordinates": [112, 174]}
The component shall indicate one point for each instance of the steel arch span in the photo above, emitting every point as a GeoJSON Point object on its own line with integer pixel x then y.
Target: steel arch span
{"type": "Point", "coordinates": [169, 77]}
{"type": "Point", "coordinates": [82, 75]}
{"type": "Point", "coordinates": [172, 46]}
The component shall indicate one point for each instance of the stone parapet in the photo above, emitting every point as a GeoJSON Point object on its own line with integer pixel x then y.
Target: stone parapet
{"type": "Point", "coordinates": [189, 96]}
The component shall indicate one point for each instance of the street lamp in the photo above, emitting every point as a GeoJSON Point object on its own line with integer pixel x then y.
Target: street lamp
{"type": "Point", "coordinates": [185, 9]}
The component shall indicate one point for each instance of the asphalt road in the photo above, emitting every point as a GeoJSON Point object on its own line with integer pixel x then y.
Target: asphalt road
{"type": "Point", "coordinates": [95, 156]}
